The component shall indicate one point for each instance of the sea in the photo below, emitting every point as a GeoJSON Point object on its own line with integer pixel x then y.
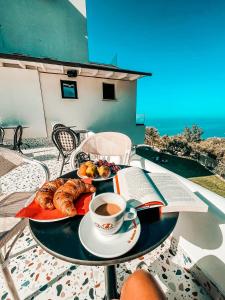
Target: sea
{"type": "Point", "coordinates": [212, 127]}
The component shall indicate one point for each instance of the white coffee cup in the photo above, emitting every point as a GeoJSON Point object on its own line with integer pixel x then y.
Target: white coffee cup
{"type": "Point", "coordinates": [109, 225]}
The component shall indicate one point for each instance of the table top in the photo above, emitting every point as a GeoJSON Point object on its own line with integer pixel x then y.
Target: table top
{"type": "Point", "coordinates": [61, 238]}
{"type": "Point", "coordinates": [12, 126]}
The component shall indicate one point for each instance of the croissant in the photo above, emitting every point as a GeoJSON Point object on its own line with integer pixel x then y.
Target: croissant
{"type": "Point", "coordinates": [68, 193]}
{"type": "Point", "coordinates": [44, 197]}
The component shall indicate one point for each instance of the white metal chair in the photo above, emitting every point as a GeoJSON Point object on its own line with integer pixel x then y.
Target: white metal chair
{"type": "Point", "coordinates": [111, 146]}
{"type": "Point", "coordinates": [11, 203]}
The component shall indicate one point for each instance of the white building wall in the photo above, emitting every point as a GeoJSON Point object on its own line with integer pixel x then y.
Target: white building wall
{"type": "Point", "coordinates": [21, 102]}
{"type": "Point", "coordinates": [31, 102]}
{"type": "Point", "coordinates": [90, 111]}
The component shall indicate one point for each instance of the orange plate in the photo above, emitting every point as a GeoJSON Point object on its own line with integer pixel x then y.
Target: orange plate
{"type": "Point", "coordinates": [35, 212]}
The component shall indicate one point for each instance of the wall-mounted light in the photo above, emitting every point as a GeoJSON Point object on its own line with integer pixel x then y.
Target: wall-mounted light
{"type": "Point", "coordinates": [71, 73]}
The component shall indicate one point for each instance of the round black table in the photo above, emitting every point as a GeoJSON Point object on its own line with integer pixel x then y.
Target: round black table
{"type": "Point", "coordinates": [61, 239]}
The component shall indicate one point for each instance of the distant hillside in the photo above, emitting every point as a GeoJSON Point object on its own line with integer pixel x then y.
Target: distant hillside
{"type": "Point", "coordinates": [209, 152]}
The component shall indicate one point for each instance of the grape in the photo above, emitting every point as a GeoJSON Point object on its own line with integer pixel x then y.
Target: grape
{"type": "Point", "coordinates": [111, 165]}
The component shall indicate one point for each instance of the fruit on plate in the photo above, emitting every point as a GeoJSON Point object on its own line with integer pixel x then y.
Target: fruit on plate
{"type": "Point", "coordinates": [100, 168]}
{"type": "Point", "coordinates": [112, 166]}
{"type": "Point", "coordinates": [104, 171]}
{"type": "Point", "coordinates": [82, 170]}
{"type": "Point", "coordinates": [89, 163]}
{"type": "Point", "coordinates": [91, 171]}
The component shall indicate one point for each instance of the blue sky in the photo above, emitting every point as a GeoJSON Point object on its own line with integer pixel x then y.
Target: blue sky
{"type": "Point", "coordinates": [181, 42]}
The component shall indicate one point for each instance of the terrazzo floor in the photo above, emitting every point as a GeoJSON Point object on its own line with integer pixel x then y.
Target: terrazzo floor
{"type": "Point", "coordinates": [38, 275]}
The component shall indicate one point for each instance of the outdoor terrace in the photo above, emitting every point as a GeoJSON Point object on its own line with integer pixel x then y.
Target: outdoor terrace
{"type": "Point", "coordinates": [38, 275]}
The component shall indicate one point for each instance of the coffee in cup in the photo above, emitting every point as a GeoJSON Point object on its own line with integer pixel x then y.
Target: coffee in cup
{"type": "Point", "coordinates": [109, 211]}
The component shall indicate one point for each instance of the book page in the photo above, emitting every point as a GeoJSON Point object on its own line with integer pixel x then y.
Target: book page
{"type": "Point", "coordinates": [176, 194]}
{"type": "Point", "coordinates": [137, 188]}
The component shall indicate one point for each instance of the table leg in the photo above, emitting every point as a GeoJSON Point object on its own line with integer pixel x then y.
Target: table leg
{"type": "Point", "coordinates": [110, 283]}
{"type": "Point", "coordinates": [14, 140]}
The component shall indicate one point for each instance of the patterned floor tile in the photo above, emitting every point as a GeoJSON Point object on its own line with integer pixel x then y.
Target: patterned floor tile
{"type": "Point", "coordinates": [25, 243]}
{"type": "Point", "coordinates": [38, 275]}
{"type": "Point", "coordinates": [175, 280]}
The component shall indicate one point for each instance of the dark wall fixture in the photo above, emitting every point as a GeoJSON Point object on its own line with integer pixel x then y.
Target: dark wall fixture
{"type": "Point", "coordinates": [72, 73]}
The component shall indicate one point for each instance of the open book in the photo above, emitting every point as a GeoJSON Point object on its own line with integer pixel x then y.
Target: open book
{"type": "Point", "coordinates": [145, 190]}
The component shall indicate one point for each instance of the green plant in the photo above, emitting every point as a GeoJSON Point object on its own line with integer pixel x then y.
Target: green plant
{"type": "Point", "coordinates": [151, 135]}
{"type": "Point", "coordinates": [193, 134]}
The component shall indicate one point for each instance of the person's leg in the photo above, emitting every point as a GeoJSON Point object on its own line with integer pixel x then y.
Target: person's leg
{"type": "Point", "coordinates": [141, 286]}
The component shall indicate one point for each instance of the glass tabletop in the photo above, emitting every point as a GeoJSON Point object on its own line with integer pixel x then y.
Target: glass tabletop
{"type": "Point", "coordinates": [61, 238]}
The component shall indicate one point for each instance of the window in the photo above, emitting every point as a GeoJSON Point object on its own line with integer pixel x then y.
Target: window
{"type": "Point", "coordinates": [108, 91]}
{"type": "Point", "coordinates": [69, 89]}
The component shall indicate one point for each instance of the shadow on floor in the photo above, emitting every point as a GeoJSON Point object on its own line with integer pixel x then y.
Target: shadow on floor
{"type": "Point", "coordinates": [202, 229]}
{"type": "Point", "coordinates": [217, 267]}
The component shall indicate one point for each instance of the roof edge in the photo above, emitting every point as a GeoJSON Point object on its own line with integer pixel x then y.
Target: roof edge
{"type": "Point", "coordinates": [46, 60]}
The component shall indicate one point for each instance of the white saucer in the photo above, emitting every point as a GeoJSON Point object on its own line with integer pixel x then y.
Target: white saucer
{"type": "Point", "coordinates": [108, 246]}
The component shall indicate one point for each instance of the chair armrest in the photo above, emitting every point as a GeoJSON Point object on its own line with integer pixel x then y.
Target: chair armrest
{"type": "Point", "coordinates": [73, 157]}
{"type": "Point", "coordinates": [75, 152]}
{"type": "Point", "coordinates": [21, 158]}
{"type": "Point", "coordinates": [38, 163]}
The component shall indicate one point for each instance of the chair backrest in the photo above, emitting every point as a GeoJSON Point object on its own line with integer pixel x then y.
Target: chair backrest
{"type": "Point", "coordinates": [18, 135]}
{"type": "Point", "coordinates": [65, 140]}
{"type": "Point", "coordinates": [9, 160]}
{"type": "Point", "coordinates": [112, 146]}
{"type": "Point", "coordinates": [2, 134]}
{"type": "Point", "coordinates": [58, 125]}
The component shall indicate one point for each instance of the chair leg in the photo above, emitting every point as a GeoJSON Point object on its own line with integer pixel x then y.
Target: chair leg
{"type": "Point", "coordinates": [63, 162]}
{"type": "Point", "coordinates": [13, 242]}
{"type": "Point", "coordinates": [19, 149]}
{"type": "Point", "coordinates": [58, 156]}
{"type": "Point", "coordinates": [8, 279]}
{"type": "Point", "coordinates": [5, 271]}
